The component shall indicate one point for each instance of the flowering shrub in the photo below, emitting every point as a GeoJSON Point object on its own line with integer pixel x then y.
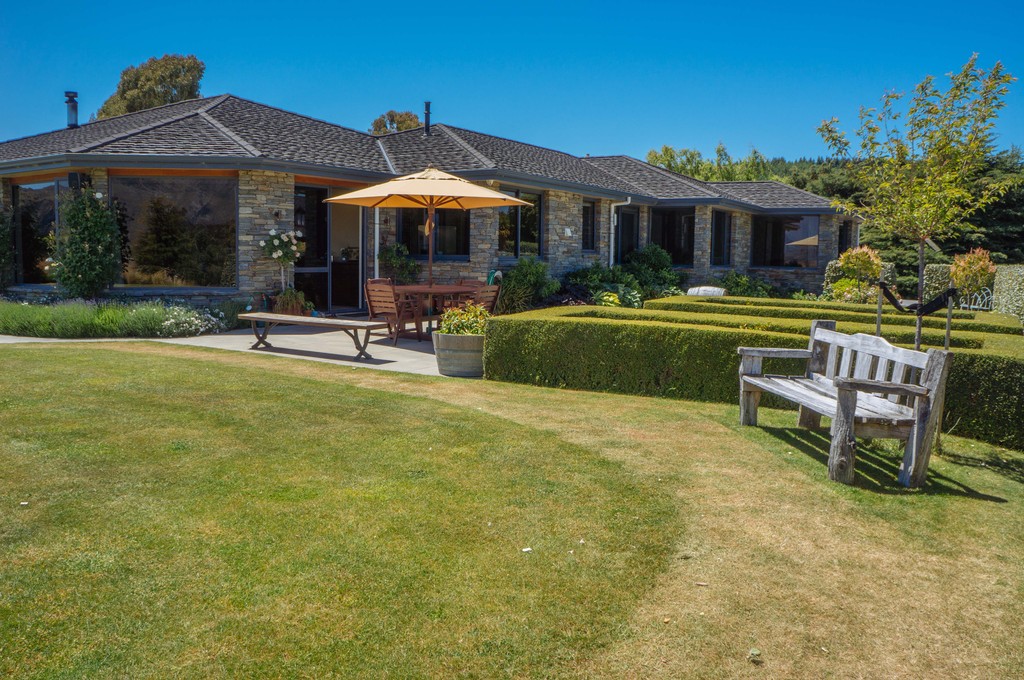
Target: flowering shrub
{"type": "Point", "coordinates": [284, 248]}
{"type": "Point", "coordinates": [852, 290]}
{"type": "Point", "coordinates": [188, 321]}
{"type": "Point", "coordinates": [85, 252]}
{"type": "Point", "coordinates": [972, 271]}
{"type": "Point", "coordinates": [468, 320]}
{"type": "Point", "coordinates": [89, 319]}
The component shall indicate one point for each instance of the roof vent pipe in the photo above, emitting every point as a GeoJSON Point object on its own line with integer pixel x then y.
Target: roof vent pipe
{"type": "Point", "coordinates": [426, 118]}
{"type": "Point", "coordinates": [72, 102]}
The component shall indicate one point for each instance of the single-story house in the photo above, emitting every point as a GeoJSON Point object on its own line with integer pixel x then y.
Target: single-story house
{"type": "Point", "coordinates": [199, 183]}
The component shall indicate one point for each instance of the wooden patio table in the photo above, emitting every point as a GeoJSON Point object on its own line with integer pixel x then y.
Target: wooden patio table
{"type": "Point", "coordinates": [427, 293]}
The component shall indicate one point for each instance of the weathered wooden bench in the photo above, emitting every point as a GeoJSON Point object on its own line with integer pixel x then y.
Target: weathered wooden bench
{"type": "Point", "coordinates": [868, 387]}
{"type": "Point", "coordinates": [350, 327]}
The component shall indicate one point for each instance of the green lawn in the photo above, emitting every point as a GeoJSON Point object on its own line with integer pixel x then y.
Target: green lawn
{"type": "Point", "coordinates": [195, 513]}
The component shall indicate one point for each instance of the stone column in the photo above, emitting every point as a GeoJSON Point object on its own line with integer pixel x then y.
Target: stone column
{"type": "Point", "coordinates": [742, 235]}
{"type": "Point", "coordinates": [701, 271]}
{"type": "Point", "coordinates": [6, 200]}
{"type": "Point", "coordinates": [99, 181]}
{"type": "Point", "coordinates": [563, 231]}
{"type": "Point", "coordinates": [266, 200]}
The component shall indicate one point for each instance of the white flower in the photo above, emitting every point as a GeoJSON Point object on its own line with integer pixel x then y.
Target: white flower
{"type": "Point", "coordinates": [273, 232]}
{"type": "Point", "coordinates": [295, 248]}
{"type": "Point", "coordinates": [262, 243]}
{"type": "Point", "coordinates": [299, 234]}
{"type": "Point", "coordinates": [99, 195]}
{"type": "Point", "coordinates": [276, 242]}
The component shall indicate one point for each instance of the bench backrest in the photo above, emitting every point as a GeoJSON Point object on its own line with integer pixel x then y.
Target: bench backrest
{"type": "Point", "coordinates": [867, 357]}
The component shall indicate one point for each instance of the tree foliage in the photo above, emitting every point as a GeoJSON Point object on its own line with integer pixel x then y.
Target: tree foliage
{"type": "Point", "coordinates": [722, 168]}
{"type": "Point", "coordinates": [85, 250]}
{"type": "Point", "coordinates": [169, 79]}
{"type": "Point", "coordinates": [394, 121]}
{"type": "Point", "coordinates": [921, 162]}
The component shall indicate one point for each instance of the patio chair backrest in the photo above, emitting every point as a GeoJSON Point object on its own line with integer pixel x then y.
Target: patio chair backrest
{"type": "Point", "coordinates": [380, 299]}
{"type": "Point", "coordinates": [472, 282]}
{"type": "Point", "coordinates": [487, 297]}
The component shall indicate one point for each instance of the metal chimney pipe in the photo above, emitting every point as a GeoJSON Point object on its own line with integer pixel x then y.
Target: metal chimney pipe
{"type": "Point", "coordinates": [426, 118]}
{"type": "Point", "coordinates": [72, 102]}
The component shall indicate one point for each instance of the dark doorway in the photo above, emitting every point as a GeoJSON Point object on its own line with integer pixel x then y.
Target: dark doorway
{"type": "Point", "coordinates": [312, 270]}
{"type": "Point", "coordinates": [627, 235]}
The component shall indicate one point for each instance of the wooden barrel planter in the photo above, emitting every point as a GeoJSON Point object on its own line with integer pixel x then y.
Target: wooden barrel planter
{"type": "Point", "coordinates": [460, 356]}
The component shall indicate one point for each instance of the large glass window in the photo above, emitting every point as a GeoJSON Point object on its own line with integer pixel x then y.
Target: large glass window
{"type": "Point", "coordinates": [35, 216]}
{"type": "Point", "coordinates": [672, 229]}
{"type": "Point", "coordinates": [519, 227]}
{"type": "Point", "coordinates": [627, 233]}
{"type": "Point", "coordinates": [451, 232]}
{"type": "Point", "coordinates": [589, 229]}
{"type": "Point", "coordinates": [181, 230]}
{"type": "Point", "coordinates": [847, 236]}
{"type": "Point", "coordinates": [784, 241]}
{"type": "Point", "coordinates": [721, 238]}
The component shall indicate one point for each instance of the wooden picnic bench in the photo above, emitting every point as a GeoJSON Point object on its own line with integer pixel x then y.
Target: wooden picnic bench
{"type": "Point", "coordinates": [350, 327]}
{"type": "Point", "coordinates": [868, 387]}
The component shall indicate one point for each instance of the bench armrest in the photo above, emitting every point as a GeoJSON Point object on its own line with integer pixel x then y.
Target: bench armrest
{"type": "Point", "coordinates": [774, 352]}
{"type": "Point", "coordinates": [880, 387]}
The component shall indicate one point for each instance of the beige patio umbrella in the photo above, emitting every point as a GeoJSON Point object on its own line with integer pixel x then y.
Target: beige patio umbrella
{"type": "Point", "coordinates": [430, 189]}
{"type": "Point", "coordinates": [809, 241]}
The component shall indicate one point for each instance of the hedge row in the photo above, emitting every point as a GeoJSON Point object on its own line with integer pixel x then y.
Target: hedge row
{"type": "Point", "coordinates": [767, 309]}
{"type": "Point", "coordinates": [1009, 290]}
{"type": "Point", "coordinates": [817, 304]}
{"type": "Point", "coordinates": [896, 334]}
{"type": "Point", "coordinates": [563, 348]}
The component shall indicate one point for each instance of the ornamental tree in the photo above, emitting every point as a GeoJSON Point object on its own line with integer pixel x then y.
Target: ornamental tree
{"type": "Point", "coordinates": [85, 249]}
{"type": "Point", "coordinates": [970, 272]}
{"type": "Point", "coordinates": [169, 79]}
{"type": "Point", "coordinates": [920, 161]}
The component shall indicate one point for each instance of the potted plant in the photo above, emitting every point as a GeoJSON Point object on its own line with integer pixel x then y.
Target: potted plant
{"type": "Point", "coordinates": [292, 302]}
{"type": "Point", "coordinates": [459, 341]}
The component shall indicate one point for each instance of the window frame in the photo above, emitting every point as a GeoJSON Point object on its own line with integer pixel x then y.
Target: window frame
{"type": "Point", "coordinates": [592, 228]}
{"type": "Point", "coordinates": [438, 257]}
{"type": "Point", "coordinates": [727, 261]}
{"type": "Point", "coordinates": [757, 221]}
{"type": "Point", "coordinates": [517, 253]}
{"type": "Point", "coordinates": [685, 212]}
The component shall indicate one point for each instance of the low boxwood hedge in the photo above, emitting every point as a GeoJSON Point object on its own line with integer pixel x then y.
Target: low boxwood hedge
{"type": "Point", "coordinates": [863, 317]}
{"type": "Point", "coordinates": [787, 302]}
{"type": "Point", "coordinates": [635, 352]}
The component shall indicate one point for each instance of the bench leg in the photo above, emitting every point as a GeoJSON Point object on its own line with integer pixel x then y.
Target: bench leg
{"type": "Point", "coordinates": [361, 346]}
{"type": "Point", "coordinates": [843, 453]}
{"type": "Point", "coordinates": [749, 397]}
{"type": "Point", "coordinates": [261, 334]}
{"type": "Point", "coordinates": [808, 419]}
{"type": "Point", "coordinates": [914, 469]}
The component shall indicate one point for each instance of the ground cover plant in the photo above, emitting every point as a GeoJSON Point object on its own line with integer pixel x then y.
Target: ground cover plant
{"type": "Point", "coordinates": [84, 319]}
{"type": "Point", "coordinates": [208, 544]}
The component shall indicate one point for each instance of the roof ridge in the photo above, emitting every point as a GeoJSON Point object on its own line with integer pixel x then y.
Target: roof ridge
{"type": "Point", "coordinates": [387, 158]}
{"type": "Point", "coordinates": [587, 159]}
{"type": "Point", "coordinates": [229, 133]}
{"type": "Point", "coordinates": [773, 181]}
{"type": "Point", "coordinates": [693, 181]}
{"type": "Point", "coordinates": [134, 131]}
{"type": "Point", "coordinates": [99, 120]}
{"type": "Point", "coordinates": [472, 150]}
{"type": "Point", "coordinates": [293, 113]}
{"type": "Point", "coordinates": [516, 141]}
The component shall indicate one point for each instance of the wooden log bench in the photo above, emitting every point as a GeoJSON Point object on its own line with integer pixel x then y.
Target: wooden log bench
{"type": "Point", "coordinates": [868, 387]}
{"type": "Point", "coordinates": [350, 327]}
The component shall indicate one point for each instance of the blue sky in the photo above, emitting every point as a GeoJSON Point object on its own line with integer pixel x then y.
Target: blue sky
{"type": "Point", "coordinates": [583, 77]}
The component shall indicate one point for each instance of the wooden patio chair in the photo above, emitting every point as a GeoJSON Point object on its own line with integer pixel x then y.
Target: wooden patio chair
{"type": "Point", "coordinates": [383, 303]}
{"type": "Point", "coordinates": [487, 297]}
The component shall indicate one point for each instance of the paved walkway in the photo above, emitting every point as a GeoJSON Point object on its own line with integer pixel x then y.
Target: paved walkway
{"type": "Point", "coordinates": [310, 344]}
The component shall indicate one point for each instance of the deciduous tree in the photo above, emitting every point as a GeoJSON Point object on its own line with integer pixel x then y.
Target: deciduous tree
{"type": "Point", "coordinates": [920, 161]}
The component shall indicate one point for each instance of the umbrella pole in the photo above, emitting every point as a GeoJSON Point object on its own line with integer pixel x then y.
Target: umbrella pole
{"type": "Point", "coordinates": [430, 245]}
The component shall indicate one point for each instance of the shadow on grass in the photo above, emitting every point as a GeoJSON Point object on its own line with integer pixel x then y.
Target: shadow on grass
{"type": "Point", "coordinates": [877, 469]}
{"type": "Point", "coordinates": [1012, 469]}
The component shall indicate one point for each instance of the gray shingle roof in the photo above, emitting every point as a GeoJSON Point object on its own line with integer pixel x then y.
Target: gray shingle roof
{"type": "Point", "coordinates": [651, 180]}
{"type": "Point", "coordinates": [772, 195]}
{"type": "Point", "coordinates": [228, 126]}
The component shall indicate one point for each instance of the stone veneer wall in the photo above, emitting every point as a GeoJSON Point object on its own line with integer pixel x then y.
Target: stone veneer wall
{"type": "Point", "coordinates": [266, 200]}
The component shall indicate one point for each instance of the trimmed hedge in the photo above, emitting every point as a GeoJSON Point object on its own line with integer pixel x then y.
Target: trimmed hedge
{"type": "Point", "coordinates": [896, 334]}
{"type": "Point", "coordinates": [787, 302]}
{"type": "Point", "coordinates": [891, 318]}
{"type": "Point", "coordinates": [936, 281]}
{"type": "Point", "coordinates": [613, 350]}
{"type": "Point", "coordinates": [1009, 290]}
